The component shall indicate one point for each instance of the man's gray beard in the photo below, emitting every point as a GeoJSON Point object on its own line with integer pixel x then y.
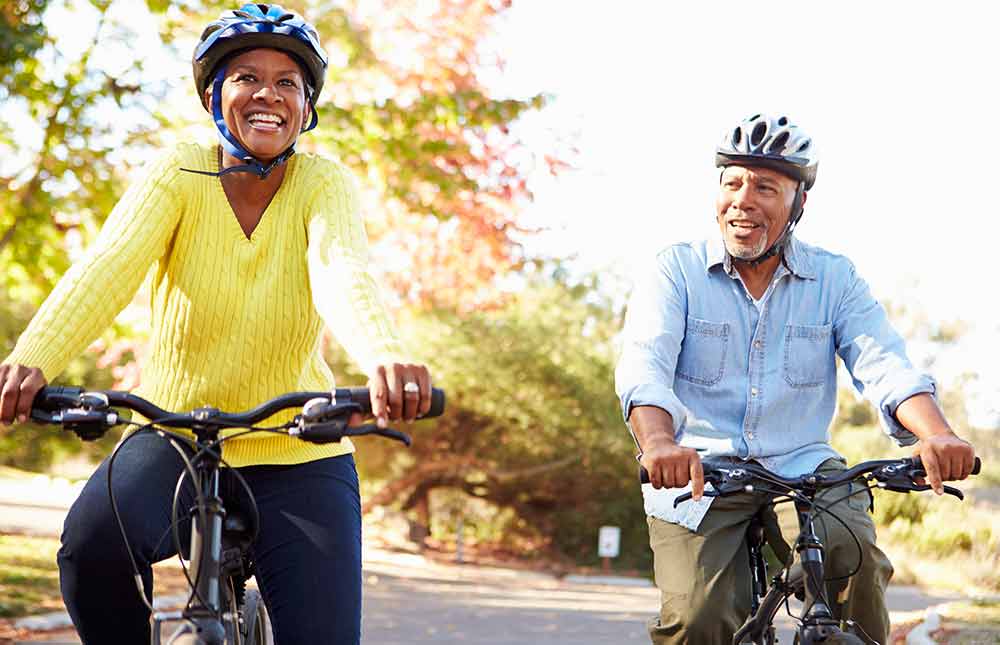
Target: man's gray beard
{"type": "Point", "coordinates": [741, 252]}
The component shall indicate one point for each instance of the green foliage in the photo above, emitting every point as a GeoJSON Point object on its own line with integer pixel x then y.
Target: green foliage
{"type": "Point", "coordinates": [22, 33]}
{"type": "Point", "coordinates": [532, 424]}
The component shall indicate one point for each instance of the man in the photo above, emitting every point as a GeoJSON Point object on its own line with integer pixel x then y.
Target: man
{"type": "Point", "coordinates": [729, 351]}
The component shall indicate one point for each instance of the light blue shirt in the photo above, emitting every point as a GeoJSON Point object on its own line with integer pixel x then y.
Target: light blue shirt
{"type": "Point", "coordinates": [757, 379]}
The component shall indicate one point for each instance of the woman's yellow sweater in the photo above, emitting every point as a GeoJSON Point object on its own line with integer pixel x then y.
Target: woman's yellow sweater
{"type": "Point", "coordinates": [235, 321]}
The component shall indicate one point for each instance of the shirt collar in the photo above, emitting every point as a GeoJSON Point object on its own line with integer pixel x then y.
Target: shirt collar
{"type": "Point", "coordinates": [796, 259]}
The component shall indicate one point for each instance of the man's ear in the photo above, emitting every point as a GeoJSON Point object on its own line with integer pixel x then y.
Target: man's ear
{"type": "Point", "coordinates": [805, 196]}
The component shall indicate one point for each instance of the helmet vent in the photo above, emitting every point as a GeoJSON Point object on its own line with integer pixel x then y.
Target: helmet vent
{"type": "Point", "coordinates": [758, 133]}
{"type": "Point", "coordinates": [783, 121]}
{"type": "Point", "coordinates": [778, 144]}
{"type": "Point", "coordinates": [804, 146]}
{"type": "Point", "coordinates": [737, 137]}
{"type": "Point", "coordinates": [754, 118]}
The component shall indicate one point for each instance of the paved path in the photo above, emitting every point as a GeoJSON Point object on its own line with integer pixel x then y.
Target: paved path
{"type": "Point", "coordinates": [411, 600]}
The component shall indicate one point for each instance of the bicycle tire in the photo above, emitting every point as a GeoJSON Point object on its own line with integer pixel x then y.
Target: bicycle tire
{"type": "Point", "coordinates": [837, 639]}
{"type": "Point", "coordinates": [254, 613]}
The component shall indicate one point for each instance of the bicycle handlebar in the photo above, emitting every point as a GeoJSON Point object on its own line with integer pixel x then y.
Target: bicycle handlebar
{"type": "Point", "coordinates": [89, 413]}
{"type": "Point", "coordinates": [892, 474]}
{"type": "Point", "coordinates": [51, 398]}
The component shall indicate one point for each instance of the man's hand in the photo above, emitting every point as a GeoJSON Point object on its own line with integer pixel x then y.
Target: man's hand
{"type": "Point", "coordinates": [18, 386]}
{"type": "Point", "coordinates": [673, 466]}
{"type": "Point", "coordinates": [399, 391]}
{"type": "Point", "coordinates": [946, 458]}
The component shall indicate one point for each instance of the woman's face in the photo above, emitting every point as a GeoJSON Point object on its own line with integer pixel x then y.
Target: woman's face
{"type": "Point", "coordinates": [264, 101]}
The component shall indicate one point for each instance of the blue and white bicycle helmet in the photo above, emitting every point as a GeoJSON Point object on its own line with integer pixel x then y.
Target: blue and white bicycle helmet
{"type": "Point", "coordinates": [249, 27]}
{"type": "Point", "coordinates": [773, 142]}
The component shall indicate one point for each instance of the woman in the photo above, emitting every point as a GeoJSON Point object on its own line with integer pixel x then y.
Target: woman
{"type": "Point", "coordinates": [253, 250]}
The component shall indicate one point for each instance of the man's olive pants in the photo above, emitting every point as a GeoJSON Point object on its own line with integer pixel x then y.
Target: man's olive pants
{"type": "Point", "coordinates": [704, 576]}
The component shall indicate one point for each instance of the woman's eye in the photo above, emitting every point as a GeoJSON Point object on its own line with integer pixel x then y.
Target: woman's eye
{"type": "Point", "coordinates": [246, 77]}
{"type": "Point", "coordinates": [287, 82]}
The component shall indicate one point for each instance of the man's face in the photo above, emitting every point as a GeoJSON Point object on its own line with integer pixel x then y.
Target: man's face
{"type": "Point", "coordinates": [752, 208]}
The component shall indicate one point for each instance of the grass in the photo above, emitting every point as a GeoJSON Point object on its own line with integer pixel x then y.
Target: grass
{"type": "Point", "coordinates": [29, 581]}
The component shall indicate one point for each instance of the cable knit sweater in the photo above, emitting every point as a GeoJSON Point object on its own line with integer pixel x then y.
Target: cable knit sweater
{"type": "Point", "coordinates": [234, 320]}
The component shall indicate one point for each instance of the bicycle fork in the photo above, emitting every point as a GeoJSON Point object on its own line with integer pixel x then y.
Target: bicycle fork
{"type": "Point", "coordinates": [205, 567]}
{"type": "Point", "coordinates": [818, 622]}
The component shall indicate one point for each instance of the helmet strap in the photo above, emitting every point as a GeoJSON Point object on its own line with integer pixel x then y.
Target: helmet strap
{"type": "Point", "coordinates": [314, 120]}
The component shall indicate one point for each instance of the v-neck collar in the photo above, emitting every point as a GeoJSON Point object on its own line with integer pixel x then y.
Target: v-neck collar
{"type": "Point", "coordinates": [234, 221]}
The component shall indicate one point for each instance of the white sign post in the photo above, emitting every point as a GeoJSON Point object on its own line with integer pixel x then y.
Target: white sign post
{"type": "Point", "coordinates": [608, 544]}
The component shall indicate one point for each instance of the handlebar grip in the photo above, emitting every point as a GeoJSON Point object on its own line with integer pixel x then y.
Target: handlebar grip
{"type": "Point", "coordinates": [51, 397]}
{"type": "Point", "coordinates": [362, 396]}
{"type": "Point", "coordinates": [643, 475]}
{"type": "Point", "coordinates": [977, 464]}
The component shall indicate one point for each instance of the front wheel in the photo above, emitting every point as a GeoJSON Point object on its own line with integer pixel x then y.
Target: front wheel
{"type": "Point", "coordinates": [841, 638]}
{"type": "Point", "coordinates": [254, 625]}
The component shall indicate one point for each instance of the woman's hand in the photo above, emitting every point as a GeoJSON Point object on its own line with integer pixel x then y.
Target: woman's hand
{"type": "Point", "coordinates": [18, 386]}
{"type": "Point", "coordinates": [399, 391]}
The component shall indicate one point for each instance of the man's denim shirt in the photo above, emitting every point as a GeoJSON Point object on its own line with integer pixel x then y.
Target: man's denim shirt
{"type": "Point", "coordinates": [757, 379]}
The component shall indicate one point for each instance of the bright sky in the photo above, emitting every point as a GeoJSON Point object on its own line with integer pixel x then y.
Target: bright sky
{"type": "Point", "coordinates": [898, 96]}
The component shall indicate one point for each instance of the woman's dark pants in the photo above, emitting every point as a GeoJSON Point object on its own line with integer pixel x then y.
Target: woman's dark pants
{"type": "Point", "coordinates": [308, 553]}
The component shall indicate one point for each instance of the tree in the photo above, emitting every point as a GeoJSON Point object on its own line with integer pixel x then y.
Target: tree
{"type": "Point", "coordinates": [443, 173]}
{"type": "Point", "coordinates": [532, 423]}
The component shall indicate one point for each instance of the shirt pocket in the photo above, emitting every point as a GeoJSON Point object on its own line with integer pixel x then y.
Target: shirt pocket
{"type": "Point", "coordinates": [808, 355]}
{"type": "Point", "coordinates": [702, 359]}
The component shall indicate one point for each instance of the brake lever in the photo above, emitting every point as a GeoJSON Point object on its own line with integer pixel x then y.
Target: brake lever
{"type": "Point", "coordinates": [324, 422]}
{"type": "Point", "coordinates": [907, 486]}
{"type": "Point", "coordinates": [89, 420]}
{"type": "Point", "coordinates": [371, 428]}
{"type": "Point", "coordinates": [683, 497]}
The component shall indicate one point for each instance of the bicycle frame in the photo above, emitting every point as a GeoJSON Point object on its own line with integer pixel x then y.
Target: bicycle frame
{"type": "Point", "coordinates": [818, 623]}
{"type": "Point", "coordinates": [205, 569]}
{"type": "Point", "coordinates": [214, 617]}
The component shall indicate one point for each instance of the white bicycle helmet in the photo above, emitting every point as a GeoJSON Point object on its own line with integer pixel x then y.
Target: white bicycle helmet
{"type": "Point", "coordinates": [771, 142]}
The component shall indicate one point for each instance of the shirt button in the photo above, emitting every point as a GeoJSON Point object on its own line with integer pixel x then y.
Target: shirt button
{"type": "Point", "coordinates": [749, 435]}
{"type": "Point", "coordinates": [753, 391]}
{"type": "Point", "coordinates": [757, 344]}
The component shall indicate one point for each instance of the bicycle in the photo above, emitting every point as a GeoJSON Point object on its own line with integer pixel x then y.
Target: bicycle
{"type": "Point", "coordinates": [805, 579]}
{"type": "Point", "coordinates": [220, 610]}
